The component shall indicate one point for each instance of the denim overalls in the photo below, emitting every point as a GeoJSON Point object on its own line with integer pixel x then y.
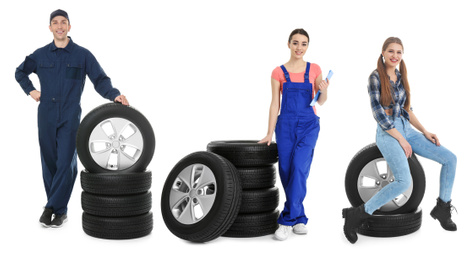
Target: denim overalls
{"type": "Point", "coordinates": [296, 132]}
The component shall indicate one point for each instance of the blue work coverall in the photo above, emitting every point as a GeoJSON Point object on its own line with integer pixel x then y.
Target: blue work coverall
{"type": "Point", "coordinates": [62, 74]}
{"type": "Point", "coordinates": [296, 132]}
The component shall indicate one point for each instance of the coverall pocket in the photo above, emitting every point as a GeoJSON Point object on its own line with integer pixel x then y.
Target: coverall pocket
{"type": "Point", "coordinates": [46, 69]}
{"type": "Point", "coordinates": [73, 71]}
{"type": "Point", "coordinates": [291, 104]}
{"type": "Point", "coordinates": [46, 64]}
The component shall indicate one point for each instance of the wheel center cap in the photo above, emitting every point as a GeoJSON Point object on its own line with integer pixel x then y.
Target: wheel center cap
{"type": "Point", "coordinates": [193, 193]}
{"type": "Point", "coordinates": [116, 144]}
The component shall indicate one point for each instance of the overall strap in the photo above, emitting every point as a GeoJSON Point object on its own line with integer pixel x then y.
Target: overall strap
{"type": "Point", "coordinates": [307, 71]}
{"type": "Point", "coordinates": [286, 74]}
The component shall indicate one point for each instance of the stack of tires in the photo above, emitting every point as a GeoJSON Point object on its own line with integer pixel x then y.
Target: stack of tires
{"type": "Point", "coordinates": [206, 196]}
{"type": "Point", "coordinates": [260, 198]}
{"type": "Point", "coordinates": [367, 174]}
{"type": "Point", "coordinates": [115, 144]}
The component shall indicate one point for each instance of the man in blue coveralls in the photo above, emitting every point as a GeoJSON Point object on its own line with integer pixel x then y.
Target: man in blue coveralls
{"type": "Point", "coordinates": [61, 67]}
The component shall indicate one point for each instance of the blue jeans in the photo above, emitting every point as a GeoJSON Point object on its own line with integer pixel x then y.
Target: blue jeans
{"type": "Point", "coordinates": [397, 162]}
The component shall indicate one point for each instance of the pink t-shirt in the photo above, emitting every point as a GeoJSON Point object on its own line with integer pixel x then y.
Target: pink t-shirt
{"type": "Point", "coordinates": [315, 71]}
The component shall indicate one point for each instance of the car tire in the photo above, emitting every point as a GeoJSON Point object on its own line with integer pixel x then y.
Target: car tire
{"type": "Point", "coordinates": [115, 138]}
{"type": "Point", "coordinates": [254, 225]}
{"type": "Point", "coordinates": [257, 177]}
{"type": "Point", "coordinates": [245, 153]}
{"type": "Point", "coordinates": [201, 197]}
{"type": "Point", "coordinates": [117, 228]}
{"type": "Point", "coordinates": [364, 179]}
{"type": "Point", "coordinates": [112, 183]}
{"type": "Point", "coordinates": [116, 206]}
{"type": "Point", "coordinates": [392, 225]}
{"type": "Point", "coordinates": [260, 200]}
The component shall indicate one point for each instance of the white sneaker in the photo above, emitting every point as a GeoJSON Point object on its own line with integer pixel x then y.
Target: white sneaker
{"type": "Point", "coordinates": [282, 233]}
{"type": "Point", "coordinates": [300, 229]}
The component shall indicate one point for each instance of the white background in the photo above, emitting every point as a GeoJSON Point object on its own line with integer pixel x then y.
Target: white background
{"type": "Point", "coordinates": [200, 71]}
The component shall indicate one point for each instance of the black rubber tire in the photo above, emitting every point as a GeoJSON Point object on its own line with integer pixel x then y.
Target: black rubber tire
{"type": "Point", "coordinates": [257, 177]}
{"type": "Point", "coordinates": [245, 153]}
{"type": "Point", "coordinates": [370, 153]}
{"type": "Point", "coordinates": [112, 183]}
{"type": "Point", "coordinates": [114, 110]}
{"type": "Point", "coordinates": [223, 210]}
{"type": "Point", "coordinates": [260, 200]}
{"type": "Point", "coordinates": [117, 228]}
{"type": "Point", "coordinates": [254, 225]}
{"type": "Point", "coordinates": [116, 206]}
{"type": "Point", "coordinates": [392, 225]}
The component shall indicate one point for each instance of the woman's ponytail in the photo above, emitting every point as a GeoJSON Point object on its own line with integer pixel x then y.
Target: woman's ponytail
{"type": "Point", "coordinates": [386, 97]}
{"type": "Point", "coordinates": [405, 83]}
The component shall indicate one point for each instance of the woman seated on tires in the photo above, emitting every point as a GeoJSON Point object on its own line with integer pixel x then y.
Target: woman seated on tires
{"type": "Point", "coordinates": [391, 104]}
{"type": "Point", "coordinates": [296, 129]}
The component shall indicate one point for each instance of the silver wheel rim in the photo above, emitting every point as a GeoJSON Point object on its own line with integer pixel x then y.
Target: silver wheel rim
{"type": "Point", "coordinates": [116, 144]}
{"type": "Point", "coordinates": [375, 176]}
{"type": "Point", "coordinates": [193, 194]}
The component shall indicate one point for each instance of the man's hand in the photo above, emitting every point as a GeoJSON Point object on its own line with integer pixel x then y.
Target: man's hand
{"type": "Point", "coordinates": [36, 95]}
{"type": "Point", "coordinates": [122, 99]}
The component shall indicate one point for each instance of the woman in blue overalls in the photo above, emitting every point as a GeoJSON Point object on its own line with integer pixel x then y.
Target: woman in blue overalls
{"type": "Point", "coordinates": [296, 129]}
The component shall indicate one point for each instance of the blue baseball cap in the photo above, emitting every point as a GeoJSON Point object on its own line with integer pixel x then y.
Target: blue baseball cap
{"type": "Point", "coordinates": [58, 12]}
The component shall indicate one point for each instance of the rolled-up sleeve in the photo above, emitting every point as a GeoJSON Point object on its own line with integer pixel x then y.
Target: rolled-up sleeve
{"type": "Point", "coordinates": [374, 91]}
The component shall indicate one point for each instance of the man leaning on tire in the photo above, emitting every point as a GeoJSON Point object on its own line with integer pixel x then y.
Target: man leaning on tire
{"type": "Point", "coordinates": [61, 67]}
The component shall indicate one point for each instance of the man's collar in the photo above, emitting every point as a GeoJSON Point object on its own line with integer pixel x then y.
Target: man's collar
{"type": "Point", "coordinates": [68, 48]}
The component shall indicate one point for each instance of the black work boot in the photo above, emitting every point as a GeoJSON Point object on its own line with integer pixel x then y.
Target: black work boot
{"type": "Point", "coordinates": [354, 217]}
{"type": "Point", "coordinates": [45, 218]}
{"type": "Point", "coordinates": [442, 212]}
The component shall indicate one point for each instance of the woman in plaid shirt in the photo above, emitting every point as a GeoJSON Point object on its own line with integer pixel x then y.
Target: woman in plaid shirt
{"type": "Point", "coordinates": [390, 97]}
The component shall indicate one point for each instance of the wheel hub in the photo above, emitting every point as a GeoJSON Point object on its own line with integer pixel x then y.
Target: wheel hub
{"type": "Point", "coordinates": [116, 144]}
{"type": "Point", "coordinates": [373, 178]}
{"type": "Point", "coordinates": [193, 193]}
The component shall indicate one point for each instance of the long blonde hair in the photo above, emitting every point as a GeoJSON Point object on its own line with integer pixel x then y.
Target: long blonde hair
{"type": "Point", "coordinates": [386, 97]}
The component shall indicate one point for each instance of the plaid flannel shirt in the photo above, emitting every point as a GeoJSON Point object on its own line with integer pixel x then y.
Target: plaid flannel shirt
{"type": "Point", "coordinates": [399, 95]}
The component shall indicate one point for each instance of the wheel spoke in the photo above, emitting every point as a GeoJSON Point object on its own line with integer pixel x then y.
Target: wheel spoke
{"type": "Point", "coordinates": [206, 202]}
{"type": "Point", "coordinates": [206, 178]}
{"type": "Point", "coordinates": [371, 171]}
{"type": "Point", "coordinates": [119, 125]}
{"type": "Point", "coordinates": [134, 140]}
{"type": "Point", "coordinates": [124, 160]}
{"type": "Point", "coordinates": [186, 176]}
{"type": "Point", "coordinates": [176, 197]}
{"type": "Point", "coordinates": [186, 214]}
{"type": "Point", "coordinates": [101, 133]}
{"type": "Point", "coordinates": [102, 157]}
{"type": "Point", "coordinates": [367, 193]}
